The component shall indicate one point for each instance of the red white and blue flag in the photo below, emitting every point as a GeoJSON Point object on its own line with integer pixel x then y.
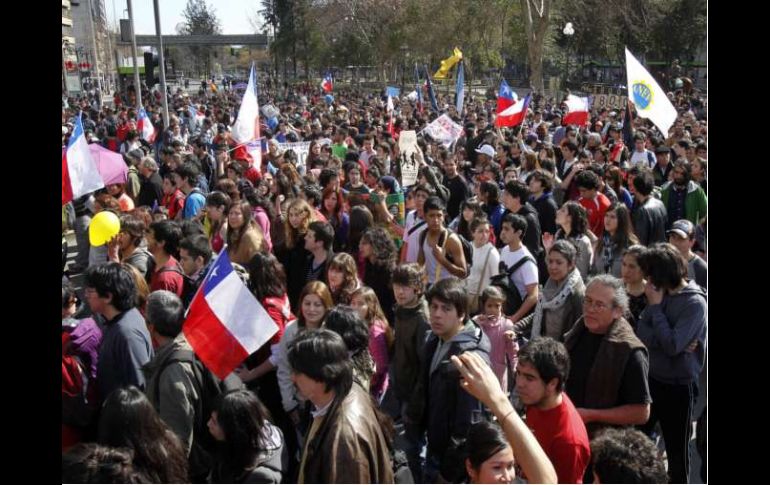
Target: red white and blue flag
{"type": "Point", "coordinates": [514, 114]}
{"type": "Point", "coordinates": [225, 323]}
{"type": "Point", "coordinates": [505, 99]}
{"type": "Point", "coordinates": [79, 173]}
{"type": "Point", "coordinates": [327, 85]}
{"type": "Point", "coordinates": [144, 126]}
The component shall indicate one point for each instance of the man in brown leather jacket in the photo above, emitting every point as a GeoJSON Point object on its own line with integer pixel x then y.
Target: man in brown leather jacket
{"type": "Point", "coordinates": [345, 443]}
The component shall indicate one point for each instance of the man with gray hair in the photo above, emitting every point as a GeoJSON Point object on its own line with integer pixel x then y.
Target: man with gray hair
{"type": "Point", "coordinates": [151, 189]}
{"type": "Point", "coordinates": [608, 380]}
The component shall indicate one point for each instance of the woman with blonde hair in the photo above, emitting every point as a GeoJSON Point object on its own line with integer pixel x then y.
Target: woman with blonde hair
{"type": "Point", "coordinates": [244, 237]}
{"type": "Point", "coordinates": [342, 275]}
{"type": "Point", "coordinates": [381, 338]}
{"type": "Point", "coordinates": [292, 253]}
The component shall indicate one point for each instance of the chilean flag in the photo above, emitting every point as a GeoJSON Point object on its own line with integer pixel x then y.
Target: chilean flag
{"type": "Point", "coordinates": [505, 99]}
{"type": "Point", "coordinates": [144, 126]}
{"type": "Point", "coordinates": [327, 84]}
{"type": "Point", "coordinates": [225, 323]}
{"type": "Point", "coordinates": [514, 114]}
{"type": "Point", "coordinates": [246, 127]}
{"type": "Point", "coordinates": [577, 111]}
{"type": "Point", "coordinates": [79, 174]}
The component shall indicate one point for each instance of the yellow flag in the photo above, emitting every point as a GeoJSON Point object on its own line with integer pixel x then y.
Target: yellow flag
{"type": "Point", "coordinates": [448, 64]}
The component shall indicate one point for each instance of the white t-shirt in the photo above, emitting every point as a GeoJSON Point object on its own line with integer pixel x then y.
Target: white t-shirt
{"type": "Point", "coordinates": [492, 268]}
{"type": "Point", "coordinates": [526, 274]}
{"type": "Point", "coordinates": [642, 159]}
{"type": "Point", "coordinates": [412, 239]}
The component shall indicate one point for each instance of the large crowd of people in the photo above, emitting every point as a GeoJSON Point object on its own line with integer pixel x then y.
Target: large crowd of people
{"type": "Point", "coordinates": [534, 306]}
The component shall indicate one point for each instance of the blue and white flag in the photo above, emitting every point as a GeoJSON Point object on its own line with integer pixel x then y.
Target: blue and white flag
{"type": "Point", "coordinates": [460, 88]}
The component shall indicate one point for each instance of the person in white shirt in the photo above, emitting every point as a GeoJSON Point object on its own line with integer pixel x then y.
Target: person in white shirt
{"type": "Point", "coordinates": [642, 157]}
{"type": "Point", "coordinates": [486, 262]}
{"type": "Point", "coordinates": [415, 225]}
{"type": "Point", "coordinates": [526, 277]}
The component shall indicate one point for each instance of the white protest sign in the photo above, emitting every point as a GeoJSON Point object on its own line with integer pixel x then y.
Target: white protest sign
{"type": "Point", "coordinates": [444, 130]}
{"type": "Point", "coordinates": [270, 111]}
{"type": "Point", "coordinates": [410, 157]}
{"type": "Point", "coordinates": [300, 148]}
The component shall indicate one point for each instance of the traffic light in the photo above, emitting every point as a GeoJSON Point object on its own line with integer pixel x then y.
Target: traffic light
{"type": "Point", "coordinates": [150, 63]}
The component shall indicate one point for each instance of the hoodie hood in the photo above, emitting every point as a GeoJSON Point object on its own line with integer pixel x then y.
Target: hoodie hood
{"type": "Point", "coordinates": [85, 341]}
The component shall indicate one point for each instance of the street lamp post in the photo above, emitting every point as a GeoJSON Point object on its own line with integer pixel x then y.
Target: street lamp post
{"type": "Point", "coordinates": [137, 81]}
{"type": "Point", "coordinates": [568, 31]}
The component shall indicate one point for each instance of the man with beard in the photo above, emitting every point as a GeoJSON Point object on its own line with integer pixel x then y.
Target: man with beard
{"type": "Point", "coordinates": [683, 198]}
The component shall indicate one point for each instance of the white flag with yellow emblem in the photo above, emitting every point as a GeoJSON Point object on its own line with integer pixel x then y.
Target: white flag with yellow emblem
{"type": "Point", "coordinates": [647, 95]}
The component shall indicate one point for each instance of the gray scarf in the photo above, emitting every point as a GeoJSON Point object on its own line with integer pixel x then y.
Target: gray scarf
{"type": "Point", "coordinates": [557, 301]}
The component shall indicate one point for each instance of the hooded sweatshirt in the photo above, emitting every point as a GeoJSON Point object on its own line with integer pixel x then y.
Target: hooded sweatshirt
{"type": "Point", "coordinates": [668, 329]}
{"type": "Point", "coordinates": [85, 339]}
{"type": "Point", "coordinates": [410, 328]}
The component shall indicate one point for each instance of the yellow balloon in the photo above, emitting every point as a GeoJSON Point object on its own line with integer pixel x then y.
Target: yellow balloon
{"type": "Point", "coordinates": [104, 226]}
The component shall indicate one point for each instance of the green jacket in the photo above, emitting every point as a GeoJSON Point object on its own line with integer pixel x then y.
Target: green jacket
{"type": "Point", "coordinates": [695, 203]}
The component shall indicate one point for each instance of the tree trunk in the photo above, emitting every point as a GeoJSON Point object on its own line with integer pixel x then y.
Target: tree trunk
{"type": "Point", "coordinates": [536, 26]}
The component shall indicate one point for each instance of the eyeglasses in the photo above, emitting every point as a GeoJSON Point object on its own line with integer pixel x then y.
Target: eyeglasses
{"type": "Point", "coordinates": [601, 306]}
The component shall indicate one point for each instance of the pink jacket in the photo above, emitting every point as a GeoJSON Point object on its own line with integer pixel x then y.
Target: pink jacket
{"type": "Point", "coordinates": [495, 329]}
{"type": "Point", "coordinates": [378, 347]}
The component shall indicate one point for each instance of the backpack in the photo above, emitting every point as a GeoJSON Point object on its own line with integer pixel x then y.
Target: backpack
{"type": "Point", "coordinates": [78, 405]}
{"type": "Point", "coordinates": [467, 247]}
{"type": "Point", "coordinates": [189, 287]}
{"type": "Point", "coordinates": [209, 387]}
{"type": "Point", "coordinates": [504, 281]}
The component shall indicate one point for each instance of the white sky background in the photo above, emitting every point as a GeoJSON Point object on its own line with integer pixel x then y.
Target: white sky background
{"type": "Point", "coordinates": [233, 15]}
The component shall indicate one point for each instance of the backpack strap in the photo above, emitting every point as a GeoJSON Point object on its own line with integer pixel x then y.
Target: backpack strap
{"type": "Point", "coordinates": [189, 357]}
{"type": "Point", "coordinates": [518, 265]}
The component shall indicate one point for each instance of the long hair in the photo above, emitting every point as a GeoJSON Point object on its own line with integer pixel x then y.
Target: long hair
{"type": "Point", "coordinates": [624, 236]}
{"type": "Point", "coordinates": [245, 423]}
{"type": "Point", "coordinates": [218, 199]}
{"type": "Point", "coordinates": [142, 288]}
{"type": "Point", "coordinates": [266, 276]}
{"type": "Point", "coordinates": [383, 247]}
{"type": "Point", "coordinates": [234, 236]}
{"type": "Point", "coordinates": [129, 420]}
{"type": "Point", "coordinates": [464, 227]}
{"type": "Point", "coordinates": [294, 236]}
{"type": "Point", "coordinates": [579, 217]}
{"type": "Point", "coordinates": [335, 219]}
{"type": "Point", "coordinates": [344, 263]}
{"type": "Point", "coordinates": [374, 311]}
{"type": "Point", "coordinates": [361, 219]}
{"type": "Point", "coordinates": [319, 289]}
{"type": "Point", "coordinates": [615, 179]}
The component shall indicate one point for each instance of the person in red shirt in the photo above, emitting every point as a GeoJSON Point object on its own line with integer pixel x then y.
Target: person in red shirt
{"type": "Point", "coordinates": [163, 239]}
{"type": "Point", "coordinates": [541, 374]}
{"type": "Point", "coordinates": [595, 203]}
{"type": "Point", "coordinates": [173, 197]}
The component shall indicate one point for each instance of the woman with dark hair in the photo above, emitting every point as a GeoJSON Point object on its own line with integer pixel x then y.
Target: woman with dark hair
{"type": "Point", "coordinates": [380, 338]}
{"type": "Point", "coordinates": [333, 208]}
{"type": "Point", "coordinates": [614, 178]}
{"type": "Point", "coordinates": [129, 420]}
{"type": "Point", "coordinates": [315, 301]}
{"type": "Point", "coordinates": [490, 457]}
{"type": "Point", "coordinates": [228, 187]}
{"type": "Point", "coordinates": [263, 214]}
{"type": "Point", "coordinates": [251, 449]}
{"type": "Point", "coordinates": [118, 191]}
{"type": "Point", "coordinates": [572, 220]}
{"type": "Point", "coordinates": [469, 209]}
{"type": "Point", "coordinates": [215, 221]}
{"type": "Point", "coordinates": [618, 236]}
{"type": "Point", "coordinates": [361, 219]}
{"type": "Point", "coordinates": [173, 198]}
{"type": "Point", "coordinates": [342, 275]}
{"type": "Point", "coordinates": [635, 283]}
{"type": "Point", "coordinates": [244, 237]}
{"type": "Point", "coordinates": [126, 247]}
{"type": "Point", "coordinates": [348, 323]}
{"type": "Point", "coordinates": [379, 254]}
{"type": "Point", "coordinates": [560, 303]}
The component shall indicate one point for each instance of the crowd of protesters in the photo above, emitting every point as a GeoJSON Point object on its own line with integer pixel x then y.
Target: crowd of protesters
{"type": "Point", "coordinates": [534, 305]}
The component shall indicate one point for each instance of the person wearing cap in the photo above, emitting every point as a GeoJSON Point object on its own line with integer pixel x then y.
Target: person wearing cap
{"type": "Point", "coordinates": [485, 155]}
{"type": "Point", "coordinates": [683, 198]}
{"type": "Point", "coordinates": [649, 215]}
{"type": "Point", "coordinates": [673, 328]}
{"type": "Point", "coordinates": [661, 171]}
{"type": "Point", "coordinates": [682, 237]}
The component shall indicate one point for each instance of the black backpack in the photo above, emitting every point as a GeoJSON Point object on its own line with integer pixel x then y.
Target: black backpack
{"type": "Point", "coordinates": [513, 299]}
{"type": "Point", "coordinates": [189, 287]}
{"type": "Point", "coordinates": [209, 387]}
{"type": "Point", "coordinates": [467, 247]}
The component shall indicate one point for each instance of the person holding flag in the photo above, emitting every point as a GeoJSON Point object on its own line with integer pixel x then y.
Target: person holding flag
{"type": "Point", "coordinates": [145, 128]}
{"type": "Point", "coordinates": [246, 128]}
{"type": "Point", "coordinates": [327, 84]}
{"type": "Point", "coordinates": [647, 95]}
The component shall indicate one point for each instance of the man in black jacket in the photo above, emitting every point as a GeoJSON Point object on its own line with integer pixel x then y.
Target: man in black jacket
{"type": "Point", "coordinates": [151, 188]}
{"type": "Point", "coordinates": [649, 214]}
{"type": "Point", "coordinates": [440, 405]}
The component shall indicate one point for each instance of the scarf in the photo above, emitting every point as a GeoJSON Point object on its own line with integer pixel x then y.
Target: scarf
{"type": "Point", "coordinates": [608, 249]}
{"type": "Point", "coordinates": [556, 302]}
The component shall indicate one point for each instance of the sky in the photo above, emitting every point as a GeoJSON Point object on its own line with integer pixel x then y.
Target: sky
{"type": "Point", "coordinates": [233, 14]}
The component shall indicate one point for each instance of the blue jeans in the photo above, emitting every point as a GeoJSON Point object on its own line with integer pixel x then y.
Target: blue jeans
{"type": "Point", "coordinates": [414, 445]}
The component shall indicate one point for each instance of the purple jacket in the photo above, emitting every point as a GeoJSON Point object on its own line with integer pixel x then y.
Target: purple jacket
{"type": "Point", "coordinates": [85, 341]}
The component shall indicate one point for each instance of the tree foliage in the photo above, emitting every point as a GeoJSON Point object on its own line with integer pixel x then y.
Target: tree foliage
{"type": "Point", "coordinates": [200, 19]}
